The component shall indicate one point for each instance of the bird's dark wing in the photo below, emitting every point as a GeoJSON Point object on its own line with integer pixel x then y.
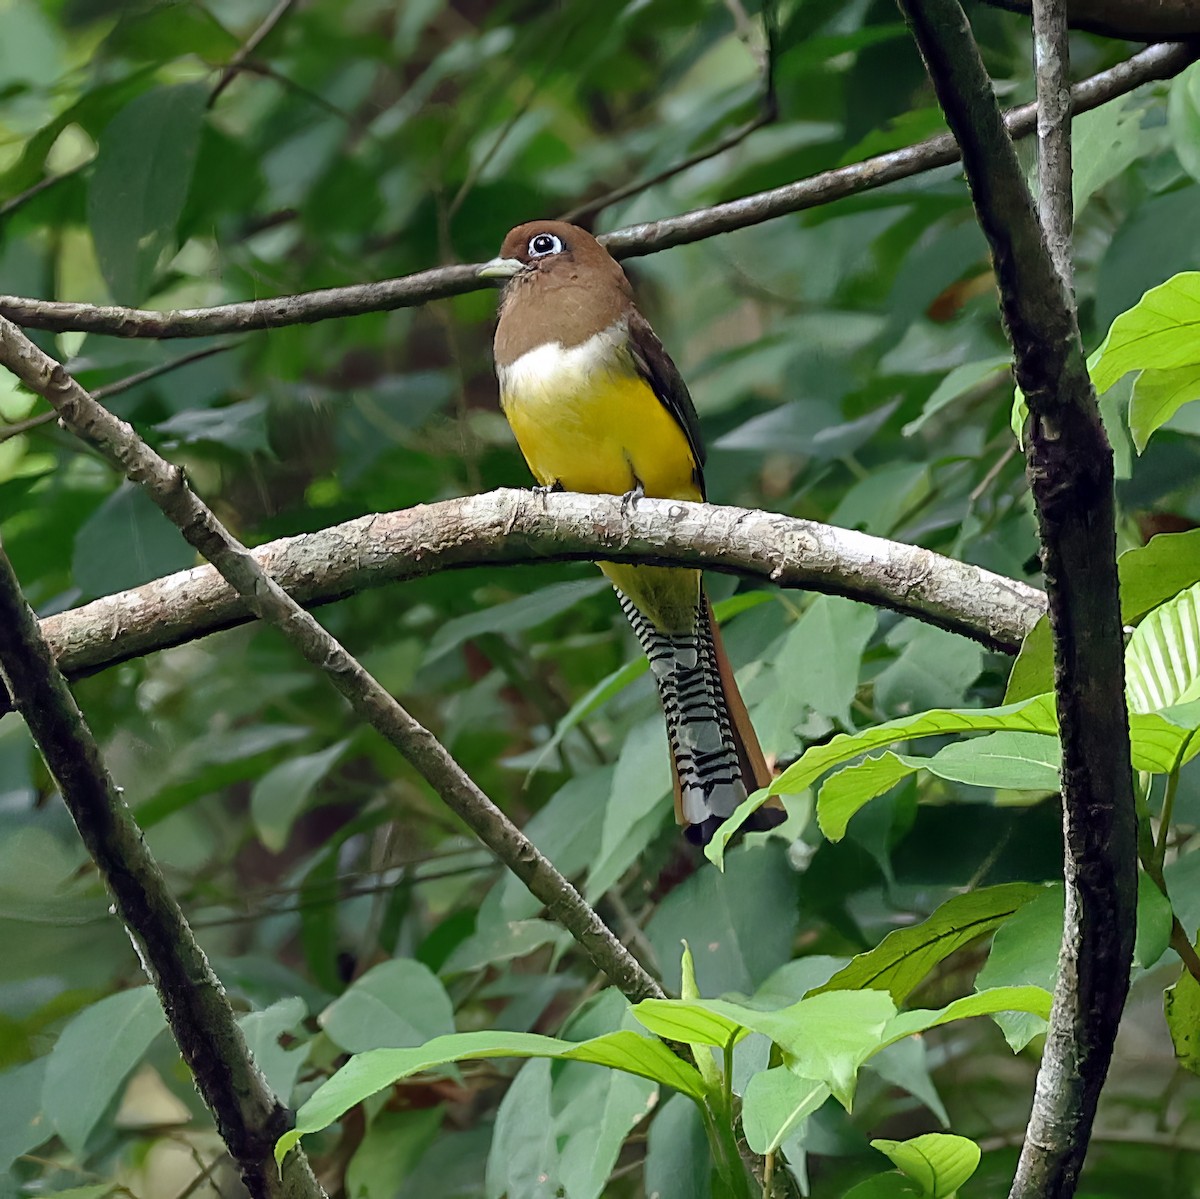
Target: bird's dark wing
{"type": "Point", "coordinates": [656, 367]}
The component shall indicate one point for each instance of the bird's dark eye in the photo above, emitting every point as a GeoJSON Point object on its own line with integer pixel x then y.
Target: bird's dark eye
{"type": "Point", "coordinates": [543, 244]}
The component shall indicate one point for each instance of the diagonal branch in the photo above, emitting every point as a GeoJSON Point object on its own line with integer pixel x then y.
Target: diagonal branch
{"type": "Point", "coordinates": [248, 1116]}
{"type": "Point", "coordinates": [509, 527]}
{"type": "Point", "coordinates": [1157, 62]}
{"type": "Point", "coordinates": [120, 446]}
{"type": "Point", "coordinates": [1071, 477]}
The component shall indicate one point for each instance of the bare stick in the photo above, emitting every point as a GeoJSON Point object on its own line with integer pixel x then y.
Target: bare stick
{"type": "Point", "coordinates": [252, 43]}
{"type": "Point", "coordinates": [119, 445]}
{"type": "Point", "coordinates": [1071, 476]}
{"type": "Point", "coordinates": [509, 527]}
{"type": "Point", "coordinates": [1158, 62]}
{"type": "Point", "coordinates": [248, 1116]}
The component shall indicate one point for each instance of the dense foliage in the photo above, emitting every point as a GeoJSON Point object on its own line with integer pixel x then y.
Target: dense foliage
{"type": "Point", "coordinates": [848, 365]}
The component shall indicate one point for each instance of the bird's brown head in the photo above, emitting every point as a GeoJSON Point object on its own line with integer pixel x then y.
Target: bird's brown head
{"type": "Point", "coordinates": [561, 285]}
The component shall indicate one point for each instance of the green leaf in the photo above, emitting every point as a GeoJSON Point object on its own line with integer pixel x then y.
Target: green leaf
{"type": "Point", "coordinates": [395, 1005]}
{"type": "Point", "coordinates": [524, 1158]}
{"type": "Point", "coordinates": [905, 1064]}
{"type": "Point", "coordinates": [934, 670]}
{"type": "Point", "coordinates": [502, 942]}
{"type": "Point", "coordinates": [937, 1162]}
{"type": "Point", "coordinates": [1160, 332]}
{"type": "Point", "coordinates": [1157, 396]}
{"type": "Point", "coordinates": [390, 1148]}
{"type": "Point", "coordinates": [1105, 141]}
{"type": "Point", "coordinates": [1004, 761]}
{"type": "Point", "coordinates": [1181, 1005]}
{"type": "Point", "coordinates": [1183, 119]}
{"type": "Point", "coordinates": [826, 1037]}
{"type": "Point", "coordinates": [377, 1069]}
{"type": "Point", "coordinates": [262, 1031]}
{"type": "Point", "coordinates": [280, 795]}
{"type": "Point", "coordinates": [688, 1020]}
{"type": "Point", "coordinates": [1162, 660]}
{"type": "Point", "coordinates": [677, 1153]}
{"type": "Point", "coordinates": [514, 616]}
{"type": "Point", "coordinates": [21, 1126]}
{"type": "Point", "coordinates": [740, 923]}
{"type": "Point", "coordinates": [958, 382]}
{"type": "Point", "coordinates": [140, 183]}
{"type": "Point", "coordinates": [1149, 574]}
{"type": "Point", "coordinates": [126, 542]}
{"type": "Point", "coordinates": [92, 1058]}
{"type": "Point", "coordinates": [982, 1003]}
{"type": "Point", "coordinates": [775, 1104]}
{"type": "Point", "coordinates": [905, 957]}
{"type": "Point", "coordinates": [1035, 715]}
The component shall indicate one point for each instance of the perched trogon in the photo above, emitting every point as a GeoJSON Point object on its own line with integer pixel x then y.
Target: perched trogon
{"type": "Point", "coordinates": [597, 406]}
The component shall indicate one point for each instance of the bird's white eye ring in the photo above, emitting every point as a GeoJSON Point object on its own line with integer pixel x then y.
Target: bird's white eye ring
{"type": "Point", "coordinates": [543, 244]}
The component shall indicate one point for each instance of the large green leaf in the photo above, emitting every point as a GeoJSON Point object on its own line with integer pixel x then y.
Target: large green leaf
{"type": "Point", "coordinates": [1162, 660]}
{"type": "Point", "coordinates": [377, 1069]}
{"type": "Point", "coordinates": [775, 1104]}
{"type": "Point", "coordinates": [140, 183]}
{"type": "Point", "coordinates": [394, 1005]}
{"type": "Point", "coordinates": [904, 957]}
{"type": "Point", "coordinates": [1034, 715]}
{"type": "Point", "coordinates": [1157, 396]}
{"type": "Point", "coordinates": [93, 1056]}
{"type": "Point", "coordinates": [280, 795]}
{"type": "Point", "coordinates": [1160, 332]}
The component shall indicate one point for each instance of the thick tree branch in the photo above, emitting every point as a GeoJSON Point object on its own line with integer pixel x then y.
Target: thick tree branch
{"type": "Point", "coordinates": [1071, 476]}
{"type": "Point", "coordinates": [1137, 20]}
{"type": "Point", "coordinates": [508, 527]}
{"type": "Point", "coordinates": [119, 445]}
{"type": "Point", "coordinates": [248, 1116]}
{"type": "Point", "coordinates": [1158, 62]}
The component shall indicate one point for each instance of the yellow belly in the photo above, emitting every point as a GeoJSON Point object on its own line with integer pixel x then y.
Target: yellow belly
{"type": "Point", "coordinates": [603, 432]}
{"type": "Point", "coordinates": [603, 437]}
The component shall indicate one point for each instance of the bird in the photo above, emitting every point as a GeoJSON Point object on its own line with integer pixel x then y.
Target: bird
{"type": "Point", "coordinates": [597, 406]}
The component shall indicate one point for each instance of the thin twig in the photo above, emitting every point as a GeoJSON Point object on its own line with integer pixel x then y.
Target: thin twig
{"type": "Point", "coordinates": [248, 1116]}
{"type": "Point", "coordinates": [112, 389]}
{"type": "Point", "coordinates": [1158, 62]}
{"type": "Point", "coordinates": [1071, 476]}
{"type": "Point", "coordinates": [164, 483]}
{"type": "Point", "coordinates": [520, 527]}
{"type": "Point", "coordinates": [248, 47]}
{"type": "Point", "coordinates": [21, 198]}
{"type": "Point", "coordinates": [768, 112]}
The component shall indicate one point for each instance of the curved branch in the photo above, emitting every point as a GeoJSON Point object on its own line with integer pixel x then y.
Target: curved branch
{"type": "Point", "coordinates": [1158, 62]}
{"type": "Point", "coordinates": [520, 527]}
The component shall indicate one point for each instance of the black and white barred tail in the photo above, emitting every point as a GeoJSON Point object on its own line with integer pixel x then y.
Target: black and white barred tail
{"type": "Point", "coordinates": [716, 757]}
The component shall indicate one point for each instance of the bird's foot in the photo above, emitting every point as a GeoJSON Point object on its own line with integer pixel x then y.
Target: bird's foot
{"type": "Point", "coordinates": [549, 489]}
{"type": "Point", "coordinates": [630, 498]}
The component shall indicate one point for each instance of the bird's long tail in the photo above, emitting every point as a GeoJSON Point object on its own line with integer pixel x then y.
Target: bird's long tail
{"type": "Point", "coordinates": [714, 751]}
